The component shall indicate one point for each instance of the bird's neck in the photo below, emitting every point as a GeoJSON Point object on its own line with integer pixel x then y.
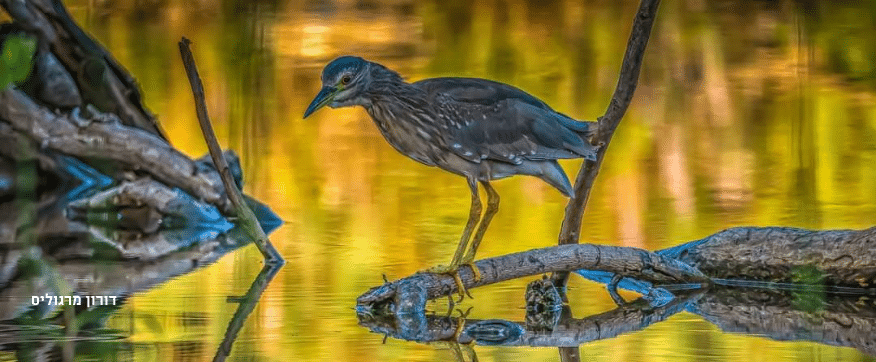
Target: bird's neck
{"type": "Point", "coordinates": [386, 83]}
{"type": "Point", "coordinates": [389, 91]}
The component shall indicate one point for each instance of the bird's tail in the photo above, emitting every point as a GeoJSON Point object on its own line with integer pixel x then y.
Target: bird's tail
{"type": "Point", "coordinates": [585, 127]}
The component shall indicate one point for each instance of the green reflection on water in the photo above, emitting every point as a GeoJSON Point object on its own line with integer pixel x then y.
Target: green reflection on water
{"type": "Point", "coordinates": [746, 114]}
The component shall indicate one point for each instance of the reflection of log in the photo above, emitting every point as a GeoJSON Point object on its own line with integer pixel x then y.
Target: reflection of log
{"type": "Point", "coordinates": [122, 278]}
{"type": "Point", "coordinates": [631, 262]}
{"type": "Point", "coordinates": [839, 320]}
{"type": "Point", "coordinates": [569, 333]}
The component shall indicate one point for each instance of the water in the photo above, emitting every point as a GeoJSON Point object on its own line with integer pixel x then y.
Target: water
{"type": "Point", "coordinates": [746, 114]}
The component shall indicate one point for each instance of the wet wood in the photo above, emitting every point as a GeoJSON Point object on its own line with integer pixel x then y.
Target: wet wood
{"type": "Point", "coordinates": [102, 136]}
{"type": "Point", "coordinates": [780, 254]}
{"type": "Point", "coordinates": [631, 262]}
{"type": "Point", "coordinates": [845, 258]}
{"type": "Point", "coordinates": [101, 80]}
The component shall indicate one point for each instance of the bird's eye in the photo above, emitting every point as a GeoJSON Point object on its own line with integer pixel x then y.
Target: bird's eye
{"type": "Point", "coordinates": [345, 80]}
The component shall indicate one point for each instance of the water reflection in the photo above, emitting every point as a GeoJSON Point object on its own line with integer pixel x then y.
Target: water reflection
{"type": "Point", "coordinates": [74, 249]}
{"type": "Point", "coordinates": [746, 114]}
{"type": "Point", "coordinates": [842, 320]}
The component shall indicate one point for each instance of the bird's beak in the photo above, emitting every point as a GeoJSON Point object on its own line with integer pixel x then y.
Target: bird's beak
{"type": "Point", "coordinates": [325, 96]}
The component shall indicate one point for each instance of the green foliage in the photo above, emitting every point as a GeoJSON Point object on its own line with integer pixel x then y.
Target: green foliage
{"type": "Point", "coordinates": [16, 59]}
{"type": "Point", "coordinates": [812, 298]}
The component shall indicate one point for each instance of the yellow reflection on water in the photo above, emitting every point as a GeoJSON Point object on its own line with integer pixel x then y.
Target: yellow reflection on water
{"type": "Point", "coordinates": [744, 115]}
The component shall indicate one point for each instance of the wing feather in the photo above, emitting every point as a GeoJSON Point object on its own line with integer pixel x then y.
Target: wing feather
{"type": "Point", "coordinates": [490, 120]}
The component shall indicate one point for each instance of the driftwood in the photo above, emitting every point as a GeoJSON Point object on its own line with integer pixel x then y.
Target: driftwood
{"type": "Point", "coordinates": [103, 137]}
{"type": "Point", "coordinates": [834, 258]}
{"type": "Point", "coordinates": [630, 262]}
{"type": "Point", "coordinates": [844, 258]}
{"type": "Point", "coordinates": [99, 78]}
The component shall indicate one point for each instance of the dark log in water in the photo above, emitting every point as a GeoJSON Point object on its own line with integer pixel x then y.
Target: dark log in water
{"type": "Point", "coordinates": [78, 116]}
{"type": "Point", "coordinates": [844, 258]}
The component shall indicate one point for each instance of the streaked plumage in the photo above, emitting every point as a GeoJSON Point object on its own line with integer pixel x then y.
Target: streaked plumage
{"type": "Point", "coordinates": [477, 128]}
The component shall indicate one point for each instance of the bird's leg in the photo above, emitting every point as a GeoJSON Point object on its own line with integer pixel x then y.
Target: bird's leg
{"type": "Point", "coordinates": [492, 209]}
{"type": "Point", "coordinates": [473, 216]}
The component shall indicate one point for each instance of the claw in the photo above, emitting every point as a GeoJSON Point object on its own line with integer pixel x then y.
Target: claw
{"type": "Point", "coordinates": [474, 270]}
{"type": "Point", "coordinates": [453, 272]}
{"type": "Point", "coordinates": [459, 286]}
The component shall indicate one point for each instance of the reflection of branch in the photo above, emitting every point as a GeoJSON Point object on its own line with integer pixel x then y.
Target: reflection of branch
{"type": "Point", "coordinates": [631, 262]}
{"type": "Point", "coordinates": [812, 315]}
{"type": "Point", "coordinates": [247, 304]}
{"type": "Point", "coordinates": [570, 333]}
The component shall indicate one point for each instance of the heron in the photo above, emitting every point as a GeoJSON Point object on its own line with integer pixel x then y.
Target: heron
{"type": "Point", "coordinates": [476, 128]}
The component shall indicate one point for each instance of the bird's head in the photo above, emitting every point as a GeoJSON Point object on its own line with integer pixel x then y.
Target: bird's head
{"type": "Point", "coordinates": [344, 81]}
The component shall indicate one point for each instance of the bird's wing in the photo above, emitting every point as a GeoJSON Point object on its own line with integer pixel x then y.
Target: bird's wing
{"type": "Point", "coordinates": [483, 119]}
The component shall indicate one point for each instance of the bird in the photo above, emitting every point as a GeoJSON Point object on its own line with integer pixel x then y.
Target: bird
{"type": "Point", "coordinates": [476, 128]}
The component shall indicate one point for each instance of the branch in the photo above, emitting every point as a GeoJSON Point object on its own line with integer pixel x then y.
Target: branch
{"type": "Point", "coordinates": [623, 94]}
{"type": "Point", "coordinates": [632, 262]}
{"type": "Point", "coordinates": [101, 136]}
{"type": "Point", "coordinates": [246, 217]}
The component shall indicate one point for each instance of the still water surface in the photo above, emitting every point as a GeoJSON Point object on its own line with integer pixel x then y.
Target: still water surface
{"type": "Point", "coordinates": [747, 114]}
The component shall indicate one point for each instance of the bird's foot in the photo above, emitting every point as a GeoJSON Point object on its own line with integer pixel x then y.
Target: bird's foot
{"type": "Point", "coordinates": [454, 272]}
{"type": "Point", "coordinates": [474, 270]}
{"type": "Point", "coordinates": [468, 259]}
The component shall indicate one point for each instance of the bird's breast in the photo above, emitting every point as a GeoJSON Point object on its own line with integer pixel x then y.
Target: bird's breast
{"type": "Point", "coordinates": [407, 132]}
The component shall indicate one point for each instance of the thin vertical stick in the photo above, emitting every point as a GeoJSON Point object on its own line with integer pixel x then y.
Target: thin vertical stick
{"type": "Point", "coordinates": [607, 124]}
{"type": "Point", "coordinates": [246, 218]}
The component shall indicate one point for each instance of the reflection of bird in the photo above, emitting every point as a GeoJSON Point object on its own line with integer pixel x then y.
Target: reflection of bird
{"type": "Point", "coordinates": [476, 128]}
